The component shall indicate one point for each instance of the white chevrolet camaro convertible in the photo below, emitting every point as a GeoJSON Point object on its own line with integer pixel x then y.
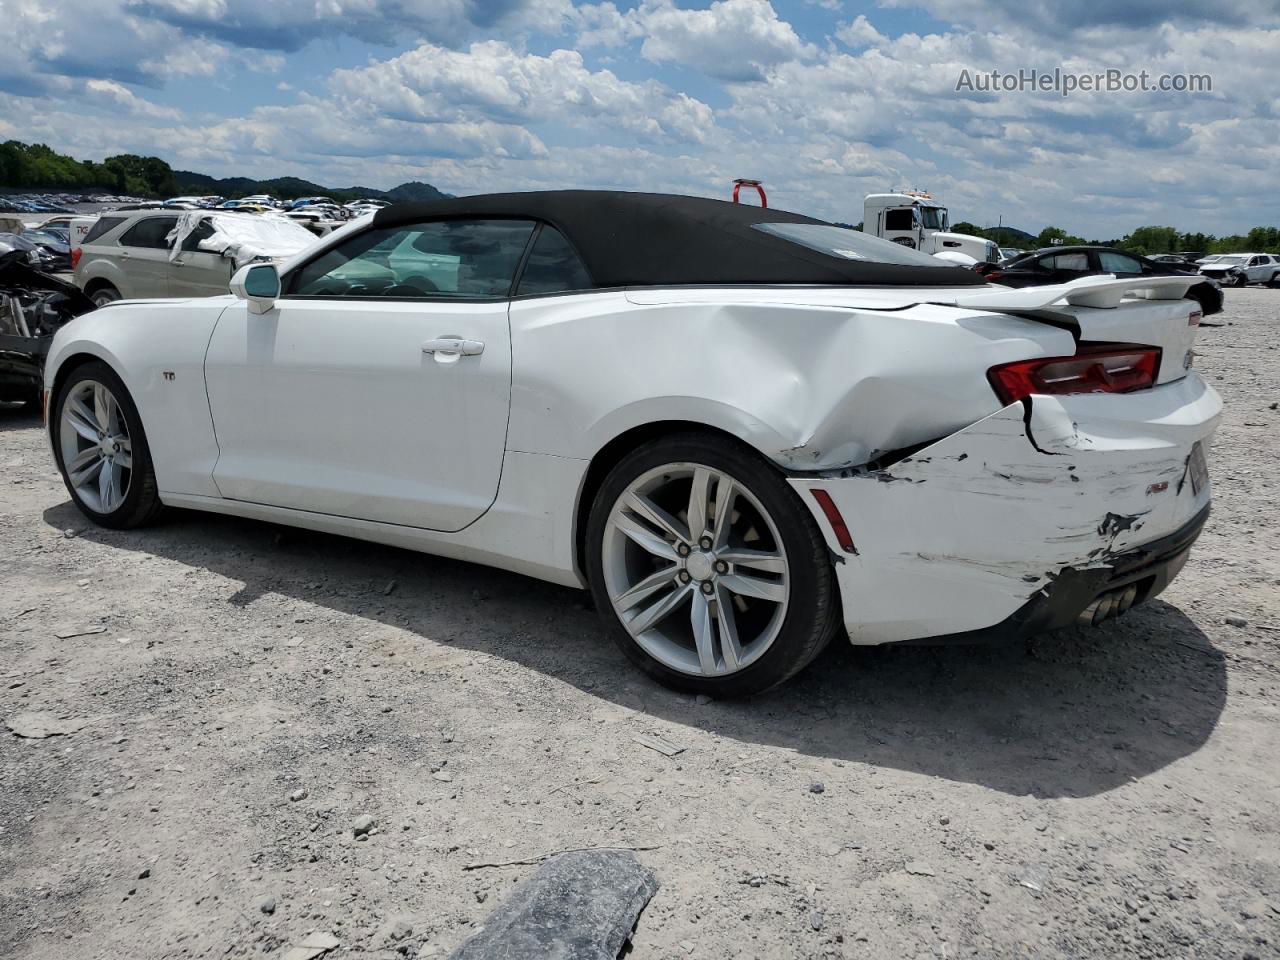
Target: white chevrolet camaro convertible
{"type": "Point", "coordinates": [744, 430]}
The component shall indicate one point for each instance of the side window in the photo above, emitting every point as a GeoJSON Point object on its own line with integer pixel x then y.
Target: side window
{"type": "Point", "coordinates": [1068, 261]}
{"type": "Point", "coordinates": [464, 259]}
{"type": "Point", "coordinates": [1118, 262]}
{"type": "Point", "coordinates": [203, 231]}
{"type": "Point", "coordinates": [553, 266]}
{"type": "Point", "coordinates": [898, 220]}
{"type": "Point", "coordinates": [104, 225]}
{"type": "Point", "coordinates": [150, 232]}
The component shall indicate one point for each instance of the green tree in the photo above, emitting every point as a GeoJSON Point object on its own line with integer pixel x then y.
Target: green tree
{"type": "Point", "coordinates": [972, 229]}
{"type": "Point", "coordinates": [1149, 240]}
{"type": "Point", "coordinates": [151, 174]}
{"type": "Point", "coordinates": [1055, 236]}
{"type": "Point", "coordinates": [1195, 241]}
{"type": "Point", "coordinates": [1263, 239]}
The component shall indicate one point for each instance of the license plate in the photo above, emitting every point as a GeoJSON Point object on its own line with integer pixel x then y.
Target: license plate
{"type": "Point", "coordinates": [1198, 469]}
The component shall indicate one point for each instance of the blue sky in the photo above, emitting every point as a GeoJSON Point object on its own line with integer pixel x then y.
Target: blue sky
{"type": "Point", "coordinates": [825, 100]}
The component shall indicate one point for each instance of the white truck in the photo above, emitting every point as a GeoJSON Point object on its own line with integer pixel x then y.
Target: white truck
{"type": "Point", "coordinates": [916, 220]}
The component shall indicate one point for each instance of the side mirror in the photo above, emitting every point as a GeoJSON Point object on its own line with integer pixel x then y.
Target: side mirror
{"type": "Point", "coordinates": [259, 284]}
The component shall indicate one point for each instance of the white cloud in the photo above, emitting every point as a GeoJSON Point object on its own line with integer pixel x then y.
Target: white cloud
{"type": "Point", "coordinates": [860, 33]}
{"type": "Point", "coordinates": [601, 25]}
{"type": "Point", "coordinates": [116, 97]}
{"type": "Point", "coordinates": [491, 80]}
{"type": "Point", "coordinates": [734, 40]}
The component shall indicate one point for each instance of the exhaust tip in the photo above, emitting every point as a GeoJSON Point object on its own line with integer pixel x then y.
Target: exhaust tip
{"type": "Point", "coordinates": [1108, 606]}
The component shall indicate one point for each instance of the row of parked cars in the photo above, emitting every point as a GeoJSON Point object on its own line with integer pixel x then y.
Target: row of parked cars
{"type": "Point", "coordinates": [320, 215]}
{"type": "Point", "coordinates": [1061, 264]}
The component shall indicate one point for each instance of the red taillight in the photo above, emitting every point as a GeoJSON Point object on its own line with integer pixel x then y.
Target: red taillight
{"type": "Point", "coordinates": [75, 256]}
{"type": "Point", "coordinates": [838, 526]}
{"type": "Point", "coordinates": [1106, 369]}
{"type": "Point", "coordinates": [993, 275]}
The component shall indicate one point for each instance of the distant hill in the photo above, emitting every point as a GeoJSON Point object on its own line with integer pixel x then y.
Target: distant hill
{"type": "Point", "coordinates": [286, 188]}
{"type": "Point", "coordinates": [37, 167]}
{"type": "Point", "coordinates": [1018, 237]}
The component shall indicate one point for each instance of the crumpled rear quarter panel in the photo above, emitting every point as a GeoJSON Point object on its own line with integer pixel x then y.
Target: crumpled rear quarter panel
{"type": "Point", "coordinates": [960, 535]}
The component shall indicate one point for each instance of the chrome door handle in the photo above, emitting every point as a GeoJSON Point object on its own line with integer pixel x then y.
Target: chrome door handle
{"type": "Point", "coordinates": [454, 345]}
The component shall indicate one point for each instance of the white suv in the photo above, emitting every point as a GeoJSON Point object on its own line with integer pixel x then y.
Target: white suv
{"type": "Point", "coordinates": [131, 255]}
{"type": "Point", "coordinates": [1239, 269]}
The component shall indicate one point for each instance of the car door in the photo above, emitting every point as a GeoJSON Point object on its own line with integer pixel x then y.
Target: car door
{"type": "Point", "coordinates": [1053, 268]}
{"type": "Point", "coordinates": [374, 391]}
{"type": "Point", "coordinates": [1257, 269]}
{"type": "Point", "coordinates": [143, 257]}
{"type": "Point", "coordinates": [1121, 264]}
{"type": "Point", "coordinates": [199, 273]}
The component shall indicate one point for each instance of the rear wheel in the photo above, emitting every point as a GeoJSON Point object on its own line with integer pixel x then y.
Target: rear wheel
{"type": "Point", "coordinates": [101, 449]}
{"type": "Point", "coordinates": [712, 576]}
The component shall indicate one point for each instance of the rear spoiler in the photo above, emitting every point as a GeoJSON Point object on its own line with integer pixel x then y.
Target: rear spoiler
{"type": "Point", "coordinates": [1101, 291]}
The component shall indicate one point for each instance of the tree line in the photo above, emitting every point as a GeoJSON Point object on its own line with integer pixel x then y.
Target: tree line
{"type": "Point", "coordinates": [38, 166]}
{"type": "Point", "coordinates": [1145, 240]}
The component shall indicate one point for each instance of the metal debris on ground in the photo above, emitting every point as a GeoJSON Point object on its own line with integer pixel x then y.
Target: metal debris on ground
{"type": "Point", "coordinates": [67, 633]}
{"type": "Point", "coordinates": [580, 905]}
{"type": "Point", "coordinates": [664, 747]}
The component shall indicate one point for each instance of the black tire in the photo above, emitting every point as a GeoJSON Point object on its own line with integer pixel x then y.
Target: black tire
{"type": "Point", "coordinates": [813, 613]}
{"type": "Point", "coordinates": [103, 294]}
{"type": "Point", "coordinates": [1275, 280]}
{"type": "Point", "coordinates": [141, 504]}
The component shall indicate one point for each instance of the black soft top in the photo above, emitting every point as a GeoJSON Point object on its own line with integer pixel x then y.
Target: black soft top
{"type": "Point", "coordinates": [658, 239]}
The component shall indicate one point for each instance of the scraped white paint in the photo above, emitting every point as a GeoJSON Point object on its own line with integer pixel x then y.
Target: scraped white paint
{"type": "Point", "coordinates": [961, 534]}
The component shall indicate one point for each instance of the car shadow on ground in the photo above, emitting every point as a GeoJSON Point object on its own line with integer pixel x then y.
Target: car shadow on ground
{"type": "Point", "coordinates": [16, 416]}
{"type": "Point", "coordinates": [1069, 715]}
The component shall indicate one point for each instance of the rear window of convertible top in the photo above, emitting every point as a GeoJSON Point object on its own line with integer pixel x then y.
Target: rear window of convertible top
{"type": "Point", "coordinates": [846, 244]}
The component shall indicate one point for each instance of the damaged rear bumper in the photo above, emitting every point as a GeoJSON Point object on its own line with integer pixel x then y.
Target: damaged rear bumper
{"type": "Point", "coordinates": [1047, 510]}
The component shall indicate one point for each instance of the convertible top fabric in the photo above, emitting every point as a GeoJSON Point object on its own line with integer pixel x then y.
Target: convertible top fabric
{"type": "Point", "coordinates": [658, 239]}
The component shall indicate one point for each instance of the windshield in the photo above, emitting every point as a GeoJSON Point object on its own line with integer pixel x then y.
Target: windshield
{"type": "Point", "coordinates": [1230, 261]}
{"type": "Point", "coordinates": [848, 244]}
{"type": "Point", "coordinates": [934, 218]}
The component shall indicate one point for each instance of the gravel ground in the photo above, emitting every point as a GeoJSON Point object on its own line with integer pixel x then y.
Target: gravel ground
{"type": "Point", "coordinates": [1109, 793]}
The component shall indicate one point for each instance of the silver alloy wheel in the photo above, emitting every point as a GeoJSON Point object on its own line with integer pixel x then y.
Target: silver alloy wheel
{"type": "Point", "coordinates": [695, 569]}
{"type": "Point", "coordinates": [97, 451]}
{"type": "Point", "coordinates": [102, 297]}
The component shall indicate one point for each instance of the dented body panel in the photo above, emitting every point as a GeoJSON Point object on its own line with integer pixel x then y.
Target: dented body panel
{"type": "Point", "coordinates": [961, 535]}
{"type": "Point", "coordinates": [813, 378]}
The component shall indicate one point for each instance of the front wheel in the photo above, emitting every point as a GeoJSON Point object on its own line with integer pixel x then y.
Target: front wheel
{"type": "Point", "coordinates": [101, 450]}
{"type": "Point", "coordinates": [710, 573]}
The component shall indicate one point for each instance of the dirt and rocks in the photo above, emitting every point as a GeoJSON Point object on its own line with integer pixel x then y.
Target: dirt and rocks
{"type": "Point", "coordinates": [251, 741]}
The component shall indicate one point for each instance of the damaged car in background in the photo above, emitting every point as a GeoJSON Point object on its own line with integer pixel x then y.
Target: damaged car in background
{"type": "Point", "coordinates": [162, 253]}
{"type": "Point", "coordinates": [33, 306]}
{"type": "Point", "coordinates": [745, 431]}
